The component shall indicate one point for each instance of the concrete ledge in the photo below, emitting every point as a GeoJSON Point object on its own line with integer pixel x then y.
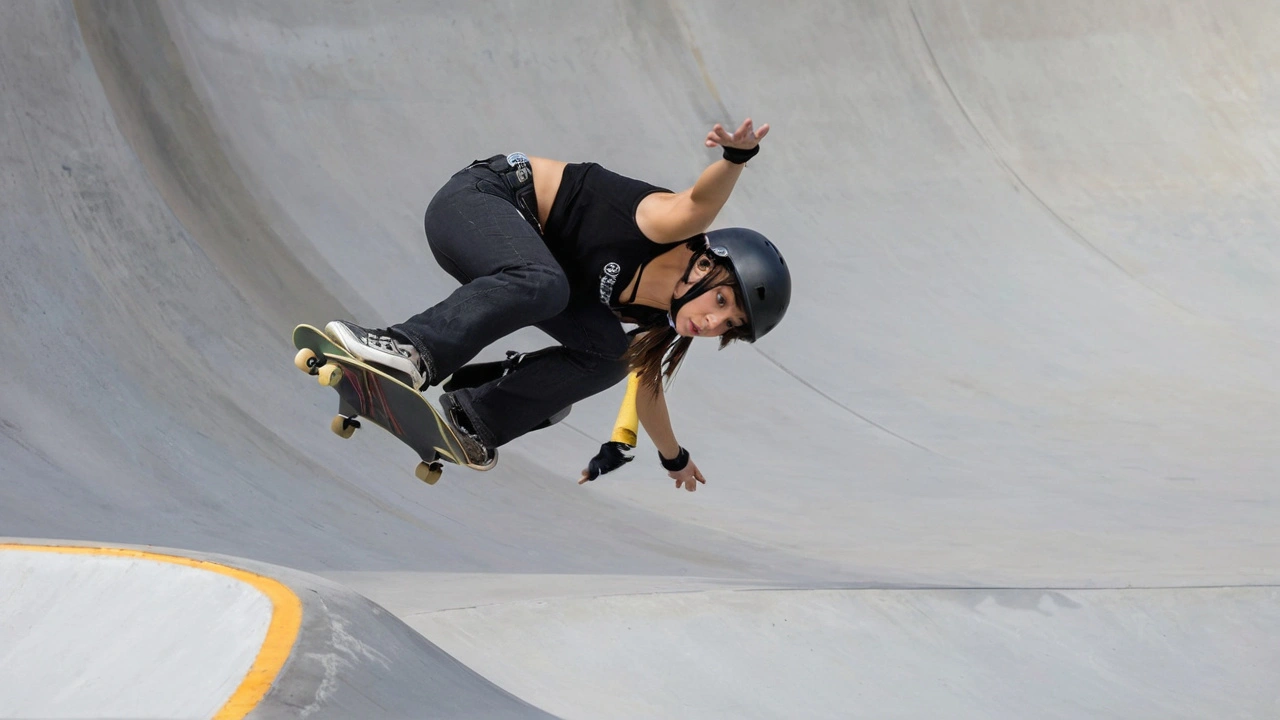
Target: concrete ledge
{"type": "Point", "coordinates": [116, 632]}
{"type": "Point", "coordinates": [88, 631]}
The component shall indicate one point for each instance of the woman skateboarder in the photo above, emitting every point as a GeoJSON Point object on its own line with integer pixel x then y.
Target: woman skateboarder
{"type": "Point", "coordinates": [576, 250]}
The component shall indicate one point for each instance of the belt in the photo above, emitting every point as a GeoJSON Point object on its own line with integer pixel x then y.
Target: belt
{"type": "Point", "coordinates": [516, 171]}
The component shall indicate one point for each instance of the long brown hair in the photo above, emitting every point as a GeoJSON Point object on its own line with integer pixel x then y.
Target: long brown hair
{"type": "Point", "coordinates": [658, 350]}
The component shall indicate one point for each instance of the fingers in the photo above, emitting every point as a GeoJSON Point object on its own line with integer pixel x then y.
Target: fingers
{"type": "Point", "coordinates": [746, 135]}
{"type": "Point", "coordinates": [689, 478]}
{"type": "Point", "coordinates": [718, 136]}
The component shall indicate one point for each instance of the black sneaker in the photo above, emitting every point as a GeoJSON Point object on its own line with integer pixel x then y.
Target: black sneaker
{"type": "Point", "coordinates": [379, 347]}
{"type": "Point", "coordinates": [479, 457]}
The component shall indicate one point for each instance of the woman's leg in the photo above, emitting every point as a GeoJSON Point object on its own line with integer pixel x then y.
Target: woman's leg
{"type": "Point", "coordinates": [509, 278]}
{"type": "Point", "coordinates": [591, 360]}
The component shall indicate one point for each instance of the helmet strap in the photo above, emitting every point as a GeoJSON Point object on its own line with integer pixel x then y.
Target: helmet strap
{"type": "Point", "coordinates": [698, 288]}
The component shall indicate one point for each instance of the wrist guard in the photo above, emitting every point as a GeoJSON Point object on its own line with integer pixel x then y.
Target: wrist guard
{"type": "Point", "coordinates": [738, 156]}
{"type": "Point", "coordinates": [676, 464]}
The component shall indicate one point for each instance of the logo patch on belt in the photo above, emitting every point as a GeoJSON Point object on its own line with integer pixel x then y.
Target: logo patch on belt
{"type": "Point", "coordinates": [520, 163]}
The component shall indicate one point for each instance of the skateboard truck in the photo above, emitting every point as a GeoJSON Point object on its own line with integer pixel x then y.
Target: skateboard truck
{"type": "Point", "coordinates": [329, 375]}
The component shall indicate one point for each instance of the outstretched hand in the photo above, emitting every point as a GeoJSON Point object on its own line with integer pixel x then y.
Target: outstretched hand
{"type": "Point", "coordinates": [612, 456]}
{"type": "Point", "coordinates": [744, 138]}
{"type": "Point", "coordinates": [689, 477]}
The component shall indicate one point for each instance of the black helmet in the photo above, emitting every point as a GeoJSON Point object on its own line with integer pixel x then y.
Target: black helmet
{"type": "Point", "coordinates": [761, 273]}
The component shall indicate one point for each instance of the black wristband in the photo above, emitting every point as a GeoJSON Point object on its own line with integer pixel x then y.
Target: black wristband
{"type": "Point", "coordinates": [676, 464]}
{"type": "Point", "coordinates": [738, 156]}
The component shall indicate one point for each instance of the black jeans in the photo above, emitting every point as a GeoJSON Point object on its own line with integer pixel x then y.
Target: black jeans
{"type": "Point", "coordinates": [510, 280]}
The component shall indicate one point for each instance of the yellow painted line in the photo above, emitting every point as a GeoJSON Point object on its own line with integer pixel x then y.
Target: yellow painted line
{"type": "Point", "coordinates": [286, 619]}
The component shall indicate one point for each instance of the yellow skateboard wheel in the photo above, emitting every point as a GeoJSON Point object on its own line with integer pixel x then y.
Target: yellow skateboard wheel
{"type": "Point", "coordinates": [306, 361]}
{"type": "Point", "coordinates": [329, 375]}
{"type": "Point", "coordinates": [342, 427]}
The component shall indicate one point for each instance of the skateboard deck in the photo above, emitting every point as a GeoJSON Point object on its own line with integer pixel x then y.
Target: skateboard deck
{"type": "Point", "coordinates": [378, 396]}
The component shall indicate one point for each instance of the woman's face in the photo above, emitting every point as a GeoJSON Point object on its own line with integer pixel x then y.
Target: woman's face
{"type": "Point", "coordinates": [711, 314]}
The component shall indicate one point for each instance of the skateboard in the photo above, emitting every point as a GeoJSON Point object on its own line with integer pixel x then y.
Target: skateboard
{"type": "Point", "coordinates": [380, 397]}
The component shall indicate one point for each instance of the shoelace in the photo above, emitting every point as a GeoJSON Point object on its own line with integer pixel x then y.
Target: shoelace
{"type": "Point", "coordinates": [386, 343]}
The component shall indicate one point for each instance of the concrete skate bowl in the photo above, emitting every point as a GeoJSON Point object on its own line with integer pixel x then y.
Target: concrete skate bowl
{"type": "Point", "coordinates": [1011, 454]}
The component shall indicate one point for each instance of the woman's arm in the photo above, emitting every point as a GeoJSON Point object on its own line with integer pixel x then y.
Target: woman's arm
{"type": "Point", "coordinates": [675, 217]}
{"type": "Point", "coordinates": [651, 407]}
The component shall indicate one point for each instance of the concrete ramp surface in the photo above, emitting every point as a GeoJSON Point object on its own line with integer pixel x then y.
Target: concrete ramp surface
{"type": "Point", "coordinates": [845, 653]}
{"type": "Point", "coordinates": [1012, 453]}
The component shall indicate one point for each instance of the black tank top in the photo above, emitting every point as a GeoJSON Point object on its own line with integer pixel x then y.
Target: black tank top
{"type": "Point", "coordinates": [592, 232]}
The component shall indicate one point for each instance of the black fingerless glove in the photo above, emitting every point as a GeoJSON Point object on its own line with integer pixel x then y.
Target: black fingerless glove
{"type": "Point", "coordinates": [738, 156]}
{"type": "Point", "coordinates": [676, 464]}
{"type": "Point", "coordinates": [612, 456]}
